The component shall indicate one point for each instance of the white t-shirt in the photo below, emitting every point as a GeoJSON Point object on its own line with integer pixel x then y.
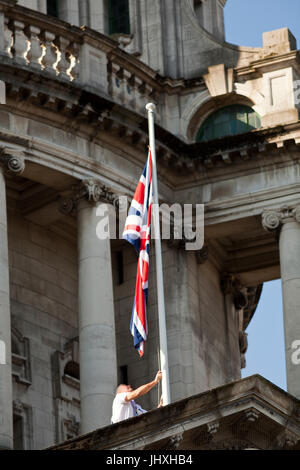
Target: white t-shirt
{"type": "Point", "coordinates": [123, 409]}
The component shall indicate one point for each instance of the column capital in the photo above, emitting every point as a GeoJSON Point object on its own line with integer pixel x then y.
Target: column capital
{"type": "Point", "coordinates": [272, 219]}
{"type": "Point", "coordinates": [12, 160]}
{"type": "Point", "coordinates": [94, 191]}
{"type": "Point", "coordinates": [90, 190]}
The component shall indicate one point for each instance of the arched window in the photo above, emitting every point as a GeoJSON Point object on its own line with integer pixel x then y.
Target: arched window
{"type": "Point", "coordinates": [231, 120]}
{"type": "Point", "coordinates": [118, 17]}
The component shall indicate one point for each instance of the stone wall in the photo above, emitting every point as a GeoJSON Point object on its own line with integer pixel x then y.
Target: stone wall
{"type": "Point", "coordinates": [219, 329]}
{"type": "Point", "coordinates": [43, 292]}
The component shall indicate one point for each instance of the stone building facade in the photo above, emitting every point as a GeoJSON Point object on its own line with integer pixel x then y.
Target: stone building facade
{"type": "Point", "coordinates": [73, 137]}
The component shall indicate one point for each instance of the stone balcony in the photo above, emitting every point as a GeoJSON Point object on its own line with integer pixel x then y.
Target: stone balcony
{"type": "Point", "coordinates": [251, 413]}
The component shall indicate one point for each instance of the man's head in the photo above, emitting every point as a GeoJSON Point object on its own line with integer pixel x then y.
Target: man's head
{"type": "Point", "coordinates": [122, 388]}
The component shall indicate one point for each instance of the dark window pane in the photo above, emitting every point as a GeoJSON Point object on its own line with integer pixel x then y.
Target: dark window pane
{"type": "Point", "coordinates": [231, 120]}
{"type": "Point", "coordinates": [118, 14]}
{"type": "Point", "coordinates": [18, 433]}
{"type": "Point", "coordinates": [123, 375]}
{"type": "Point", "coordinates": [72, 369]}
{"type": "Point", "coordinates": [52, 8]}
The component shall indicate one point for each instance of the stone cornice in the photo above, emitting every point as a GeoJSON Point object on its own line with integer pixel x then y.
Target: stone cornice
{"type": "Point", "coordinates": [263, 64]}
{"type": "Point", "coordinates": [95, 118]}
{"type": "Point", "coordinates": [89, 109]}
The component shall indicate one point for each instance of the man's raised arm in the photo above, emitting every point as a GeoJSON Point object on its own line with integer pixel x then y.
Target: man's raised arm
{"type": "Point", "coordinates": [143, 389]}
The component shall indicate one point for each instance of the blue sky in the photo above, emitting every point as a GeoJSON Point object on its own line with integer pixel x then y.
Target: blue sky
{"type": "Point", "coordinates": [245, 21]}
{"type": "Point", "coordinates": [265, 355]}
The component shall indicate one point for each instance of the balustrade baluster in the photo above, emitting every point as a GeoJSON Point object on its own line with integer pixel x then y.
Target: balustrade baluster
{"type": "Point", "coordinates": [21, 43]}
{"type": "Point", "coordinates": [49, 57]}
{"type": "Point", "coordinates": [8, 37]}
{"type": "Point", "coordinates": [73, 71]}
{"type": "Point", "coordinates": [64, 63]}
{"type": "Point", "coordinates": [35, 53]}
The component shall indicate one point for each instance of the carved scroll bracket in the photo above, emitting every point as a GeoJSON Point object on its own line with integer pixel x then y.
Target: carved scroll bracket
{"type": "Point", "coordinates": [272, 220]}
{"type": "Point", "coordinates": [12, 160]}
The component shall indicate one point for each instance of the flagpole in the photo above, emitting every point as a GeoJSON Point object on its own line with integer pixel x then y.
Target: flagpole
{"type": "Point", "coordinates": [163, 346]}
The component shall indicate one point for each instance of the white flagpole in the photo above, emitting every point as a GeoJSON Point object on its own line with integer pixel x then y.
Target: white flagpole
{"type": "Point", "coordinates": [159, 270]}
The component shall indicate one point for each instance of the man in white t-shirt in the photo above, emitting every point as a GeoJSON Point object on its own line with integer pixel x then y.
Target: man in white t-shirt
{"type": "Point", "coordinates": [124, 405]}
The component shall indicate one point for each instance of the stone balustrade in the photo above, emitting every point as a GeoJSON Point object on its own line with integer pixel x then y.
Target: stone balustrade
{"type": "Point", "coordinates": [40, 47]}
{"type": "Point", "coordinates": [55, 49]}
{"type": "Point", "coordinates": [126, 87]}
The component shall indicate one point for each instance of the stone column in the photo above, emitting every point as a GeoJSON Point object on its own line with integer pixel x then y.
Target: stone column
{"type": "Point", "coordinates": [6, 421]}
{"type": "Point", "coordinates": [287, 224]}
{"type": "Point", "coordinates": [98, 363]}
{"type": "Point", "coordinates": [98, 16]}
{"type": "Point", "coordinates": [12, 162]}
{"type": "Point", "coordinates": [68, 11]}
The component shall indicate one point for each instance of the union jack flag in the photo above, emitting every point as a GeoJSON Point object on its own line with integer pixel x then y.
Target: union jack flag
{"type": "Point", "coordinates": [137, 232]}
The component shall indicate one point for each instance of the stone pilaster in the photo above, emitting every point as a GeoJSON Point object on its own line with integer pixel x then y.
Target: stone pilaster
{"type": "Point", "coordinates": [12, 162]}
{"type": "Point", "coordinates": [98, 363]}
{"type": "Point", "coordinates": [286, 222]}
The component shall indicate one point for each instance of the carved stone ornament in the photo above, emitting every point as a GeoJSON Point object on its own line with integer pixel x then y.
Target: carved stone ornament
{"type": "Point", "coordinates": [66, 205]}
{"type": "Point", "coordinates": [121, 202]}
{"type": "Point", "coordinates": [232, 444]}
{"type": "Point", "coordinates": [13, 161]}
{"type": "Point", "coordinates": [94, 191]}
{"type": "Point", "coordinates": [273, 219]}
{"type": "Point", "coordinates": [212, 428]}
{"type": "Point", "coordinates": [251, 415]}
{"type": "Point", "coordinates": [72, 425]}
{"type": "Point", "coordinates": [175, 441]}
{"type": "Point", "coordinates": [286, 439]}
{"type": "Point", "coordinates": [18, 407]}
{"type": "Point", "coordinates": [90, 189]}
{"type": "Point", "coordinates": [243, 341]}
{"type": "Point", "coordinates": [231, 284]}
